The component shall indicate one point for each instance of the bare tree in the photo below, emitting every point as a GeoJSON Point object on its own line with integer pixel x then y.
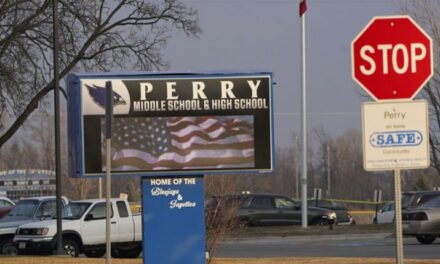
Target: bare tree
{"type": "Point", "coordinates": [340, 162]}
{"type": "Point", "coordinates": [426, 14]}
{"type": "Point", "coordinates": [43, 134]}
{"type": "Point", "coordinates": [217, 214]}
{"type": "Point", "coordinates": [23, 155]}
{"type": "Point", "coordinates": [117, 35]}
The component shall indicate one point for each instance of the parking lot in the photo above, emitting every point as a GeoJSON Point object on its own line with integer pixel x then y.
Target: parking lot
{"type": "Point", "coordinates": [379, 245]}
{"type": "Point", "coordinates": [346, 244]}
{"type": "Point", "coordinates": [354, 241]}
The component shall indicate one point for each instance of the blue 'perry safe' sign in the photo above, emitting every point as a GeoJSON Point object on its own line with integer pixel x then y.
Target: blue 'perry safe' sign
{"type": "Point", "coordinates": [173, 220]}
{"type": "Point", "coordinates": [168, 124]}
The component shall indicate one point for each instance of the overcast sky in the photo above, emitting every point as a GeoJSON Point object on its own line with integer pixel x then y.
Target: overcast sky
{"type": "Point", "coordinates": [265, 35]}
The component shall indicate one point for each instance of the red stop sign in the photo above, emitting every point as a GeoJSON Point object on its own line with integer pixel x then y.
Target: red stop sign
{"type": "Point", "coordinates": [392, 58]}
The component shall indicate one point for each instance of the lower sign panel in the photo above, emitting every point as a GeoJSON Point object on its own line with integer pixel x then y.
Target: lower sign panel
{"type": "Point", "coordinates": [395, 135]}
{"type": "Point", "coordinates": [173, 220]}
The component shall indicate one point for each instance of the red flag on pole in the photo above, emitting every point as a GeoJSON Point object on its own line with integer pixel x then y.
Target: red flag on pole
{"type": "Point", "coordinates": [302, 7]}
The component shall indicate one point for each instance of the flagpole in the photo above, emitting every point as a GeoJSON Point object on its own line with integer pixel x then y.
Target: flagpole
{"type": "Point", "coordinates": [303, 116]}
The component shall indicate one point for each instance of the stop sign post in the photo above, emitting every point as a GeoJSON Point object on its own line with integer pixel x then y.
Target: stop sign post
{"type": "Point", "coordinates": [392, 58]}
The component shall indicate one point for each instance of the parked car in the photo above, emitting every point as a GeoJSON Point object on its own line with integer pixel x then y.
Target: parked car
{"type": "Point", "coordinates": [84, 231]}
{"type": "Point", "coordinates": [410, 199]}
{"type": "Point", "coordinates": [265, 209]}
{"type": "Point", "coordinates": [423, 222]}
{"type": "Point", "coordinates": [343, 215]}
{"type": "Point", "coordinates": [25, 211]}
{"type": "Point", "coordinates": [5, 202]}
{"type": "Point", "coordinates": [416, 198]}
{"type": "Point", "coordinates": [6, 206]}
{"type": "Point", "coordinates": [385, 214]}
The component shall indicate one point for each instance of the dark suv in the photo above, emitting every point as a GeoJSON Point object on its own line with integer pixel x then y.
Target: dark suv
{"type": "Point", "coordinates": [265, 209]}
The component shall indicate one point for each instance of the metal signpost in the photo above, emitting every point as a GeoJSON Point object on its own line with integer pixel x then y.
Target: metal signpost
{"type": "Point", "coordinates": [392, 61]}
{"type": "Point", "coordinates": [108, 139]}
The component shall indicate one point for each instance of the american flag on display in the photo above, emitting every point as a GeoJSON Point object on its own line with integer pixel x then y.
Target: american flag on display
{"type": "Point", "coordinates": [169, 143]}
{"type": "Point", "coordinates": [302, 7]}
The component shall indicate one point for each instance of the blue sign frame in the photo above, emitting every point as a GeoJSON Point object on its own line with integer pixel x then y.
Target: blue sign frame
{"type": "Point", "coordinates": [160, 98]}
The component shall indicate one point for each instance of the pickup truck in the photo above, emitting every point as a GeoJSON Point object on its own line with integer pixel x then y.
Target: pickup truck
{"type": "Point", "coordinates": [84, 231]}
{"type": "Point", "coordinates": [25, 211]}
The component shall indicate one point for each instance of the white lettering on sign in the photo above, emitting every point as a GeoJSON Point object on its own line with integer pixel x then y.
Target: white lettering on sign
{"type": "Point", "coordinates": [198, 88]}
{"type": "Point", "coordinates": [157, 191]}
{"type": "Point", "coordinates": [145, 88]}
{"type": "Point", "coordinates": [408, 57]}
{"type": "Point", "coordinates": [179, 205]}
{"type": "Point", "coordinates": [189, 180]}
{"type": "Point", "coordinates": [254, 87]}
{"type": "Point", "coordinates": [227, 87]}
{"type": "Point", "coordinates": [171, 90]}
{"type": "Point", "coordinates": [160, 181]}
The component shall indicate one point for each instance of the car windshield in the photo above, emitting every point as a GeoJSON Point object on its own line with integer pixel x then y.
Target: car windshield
{"type": "Point", "coordinates": [406, 199]}
{"type": "Point", "coordinates": [24, 208]}
{"type": "Point", "coordinates": [432, 203]}
{"type": "Point", "coordinates": [237, 201]}
{"type": "Point", "coordinates": [338, 206]}
{"type": "Point", "coordinates": [74, 211]}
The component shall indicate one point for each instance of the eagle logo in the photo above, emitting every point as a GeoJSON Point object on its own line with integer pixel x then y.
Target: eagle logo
{"type": "Point", "coordinates": [97, 93]}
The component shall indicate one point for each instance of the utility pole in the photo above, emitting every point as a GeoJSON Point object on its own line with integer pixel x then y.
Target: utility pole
{"type": "Point", "coordinates": [328, 171]}
{"type": "Point", "coordinates": [296, 167]}
{"type": "Point", "coordinates": [97, 69]}
{"type": "Point", "coordinates": [56, 80]}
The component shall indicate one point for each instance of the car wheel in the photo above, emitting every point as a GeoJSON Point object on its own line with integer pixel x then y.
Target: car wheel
{"type": "Point", "coordinates": [425, 239]}
{"type": "Point", "coordinates": [70, 247]}
{"type": "Point", "coordinates": [239, 223]}
{"type": "Point", "coordinates": [319, 222]}
{"type": "Point", "coordinates": [375, 221]}
{"type": "Point", "coordinates": [131, 252]}
{"type": "Point", "coordinates": [8, 247]}
{"type": "Point", "coordinates": [242, 225]}
{"type": "Point", "coordinates": [115, 253]}
{"type": "Point", "coordinates": [99, 253]}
